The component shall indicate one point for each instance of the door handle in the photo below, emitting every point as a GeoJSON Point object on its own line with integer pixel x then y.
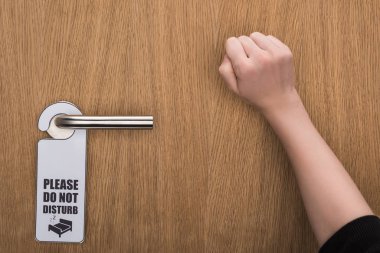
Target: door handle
{"type": "Point", "coordinates": [61, 168]}
{"type": "Point", "coordinates": [63, 125]}
{"type": "Point", "coordinates": [104, 122]}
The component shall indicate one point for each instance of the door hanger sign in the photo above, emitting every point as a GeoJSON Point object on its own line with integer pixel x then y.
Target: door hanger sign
{"type": "Point", "coordinates": [61, 178]}
{"type": "Point", "coordinates": [61, 168]}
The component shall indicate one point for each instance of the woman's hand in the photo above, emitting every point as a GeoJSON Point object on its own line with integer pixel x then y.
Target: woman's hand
{"type": "Point", "coordinates": [260, 69]}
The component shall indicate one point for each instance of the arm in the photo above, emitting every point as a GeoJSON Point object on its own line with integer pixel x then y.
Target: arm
{"type": "Point", "coordinates": [259, 68]}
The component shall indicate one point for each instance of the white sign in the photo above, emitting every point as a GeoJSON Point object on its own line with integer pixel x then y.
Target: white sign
{"type": "Point", "coordinates": [61, 174]}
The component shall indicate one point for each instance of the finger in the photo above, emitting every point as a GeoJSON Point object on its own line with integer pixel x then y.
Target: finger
{"type": "Point", "coordinates": [250, 47]}
{"type": "Point", "coordinates": [227, 72]}
{"type": "Point", "coordinates": [276, 41]}
{"type": "Point", "coordinates": [262, 41]}
{"type": "Point", "coordinates": [235, 51]}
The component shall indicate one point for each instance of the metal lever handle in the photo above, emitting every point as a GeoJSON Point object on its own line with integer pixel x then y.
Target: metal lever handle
{"type": "Point", "coordinates": [104, 122]}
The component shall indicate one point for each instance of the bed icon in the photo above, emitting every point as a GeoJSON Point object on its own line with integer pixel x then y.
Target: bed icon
{"type": "Point", "coordinates": [62, 227]}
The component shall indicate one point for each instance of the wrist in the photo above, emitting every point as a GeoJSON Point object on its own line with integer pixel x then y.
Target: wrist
{"type": "Point", "coordinates": [289, 106]}
{"type": "Point", "coordinates": [290, 121]}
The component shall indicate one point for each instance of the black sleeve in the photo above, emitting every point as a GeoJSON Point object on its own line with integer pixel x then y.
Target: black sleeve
{"type": "Point", "coordinates": [361, 235]}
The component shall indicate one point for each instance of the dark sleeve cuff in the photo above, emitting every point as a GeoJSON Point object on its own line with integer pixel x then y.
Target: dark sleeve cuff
{"type": "Point", "coordinates": [359, 235]}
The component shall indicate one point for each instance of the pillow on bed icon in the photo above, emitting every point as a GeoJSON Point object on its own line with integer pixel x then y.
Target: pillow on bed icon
{"type": "Point", "coordinates": [62, 227]}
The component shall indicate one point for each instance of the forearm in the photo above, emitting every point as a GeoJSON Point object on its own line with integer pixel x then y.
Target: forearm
{"type": "Point", "coordinates": [330, 196]}
{"type": "Point", "coordinates": [260, 69]}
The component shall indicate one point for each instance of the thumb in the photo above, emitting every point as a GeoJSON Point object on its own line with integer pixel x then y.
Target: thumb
{"type": "Point", "coordinates": [227, 72]}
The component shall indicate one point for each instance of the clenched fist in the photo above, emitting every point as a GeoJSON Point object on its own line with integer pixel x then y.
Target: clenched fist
{"type": "Point", "coordinates": [260, 69]}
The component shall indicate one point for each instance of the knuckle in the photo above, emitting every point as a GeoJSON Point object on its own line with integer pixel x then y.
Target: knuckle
{"type": "Point", "coordinates": [255, 34]}
{"type": "Point", "coordinates": [285, 56]}
{"type": "Point", "coordinates": [222, 69]}
{"type": "Point", "coordinates": [242, 37]}
{"type": "Point", "coordinates": [229, 40]}
{"type": "Point", "coordinates": [264, 59]}
{"type": "Point", "coordinates": [242, 68]}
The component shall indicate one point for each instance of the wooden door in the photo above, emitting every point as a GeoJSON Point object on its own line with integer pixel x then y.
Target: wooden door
{"type": "Point", "coordinates": [211, 176]}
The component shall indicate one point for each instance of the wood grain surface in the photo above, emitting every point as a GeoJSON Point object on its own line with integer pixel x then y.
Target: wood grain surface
{"type": "Point", "coordinates": [211, 176]}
